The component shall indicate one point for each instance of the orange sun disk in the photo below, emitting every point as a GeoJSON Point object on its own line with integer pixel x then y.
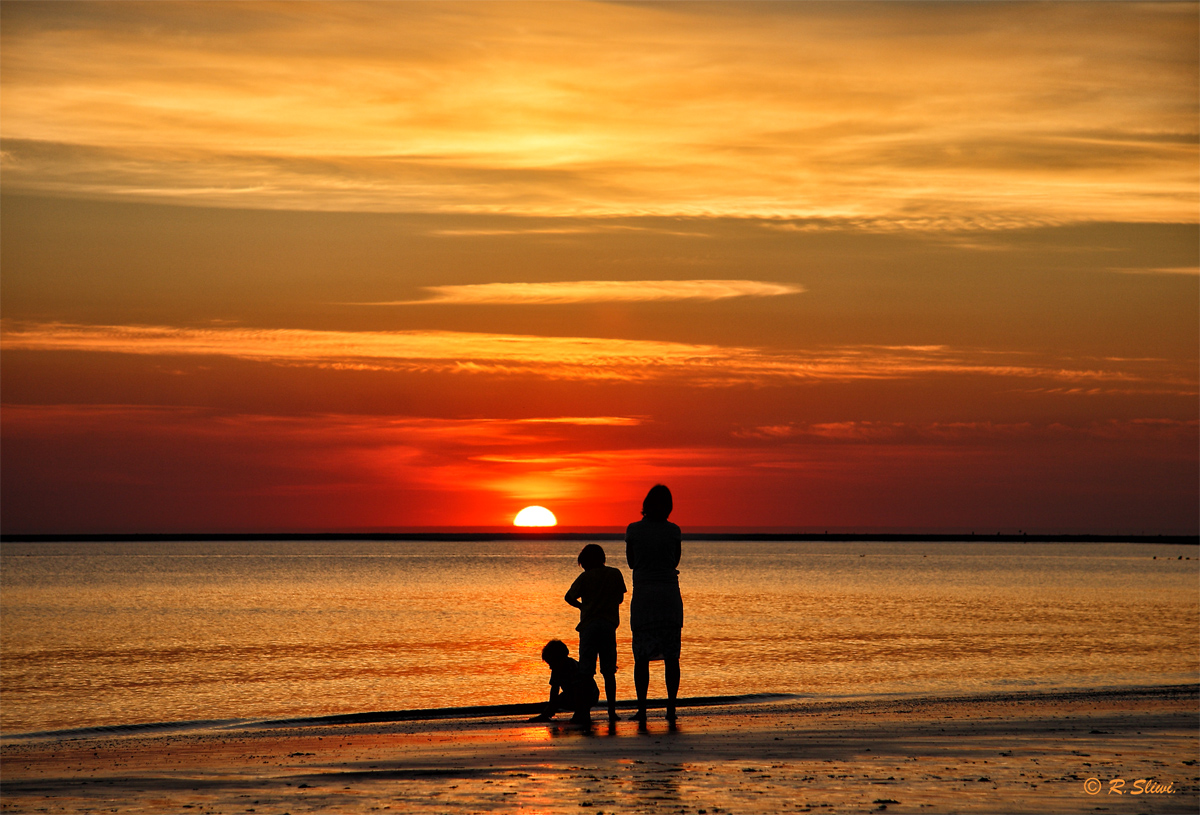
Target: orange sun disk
{"type": "Point", "coordinates": [535, 516]}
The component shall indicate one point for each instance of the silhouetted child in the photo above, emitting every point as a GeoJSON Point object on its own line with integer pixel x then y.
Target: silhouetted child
{"type": "Point", "coordinates": [598, 594]}
{"type": "Point", "coordinates": [570, 688]}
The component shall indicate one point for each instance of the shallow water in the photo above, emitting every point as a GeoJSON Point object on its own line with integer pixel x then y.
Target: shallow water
{"type": "Point", "coordinates": [121, 633]}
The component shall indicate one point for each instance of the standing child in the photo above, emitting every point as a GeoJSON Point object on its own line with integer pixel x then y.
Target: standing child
{"type": "Point", "coordinates": [598, 594]}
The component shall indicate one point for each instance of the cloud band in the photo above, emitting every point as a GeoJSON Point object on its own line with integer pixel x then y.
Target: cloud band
{"type": "Point", "coordinates": [597, 359]}
{"type": "Point", "coordinates": [597, 291]}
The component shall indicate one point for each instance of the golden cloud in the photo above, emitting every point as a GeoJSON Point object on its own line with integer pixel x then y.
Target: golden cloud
{"type": "Point", "coordinates": [597, 291]}
{"type": "Point", "coordinates": [591, 358]}
{"type": "Point", "coordinates": [922, 116]}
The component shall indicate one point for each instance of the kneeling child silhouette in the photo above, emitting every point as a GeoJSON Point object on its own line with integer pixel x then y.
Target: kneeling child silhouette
{"type": "Point", "coordinates": [570, 689]}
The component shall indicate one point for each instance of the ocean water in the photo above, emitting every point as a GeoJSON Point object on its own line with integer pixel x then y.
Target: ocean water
{"type": "Point", "coordinates": [98, 634]}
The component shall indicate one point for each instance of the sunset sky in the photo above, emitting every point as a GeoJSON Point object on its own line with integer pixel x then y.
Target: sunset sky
{"type": "Point", "coordinates": [386, 266]}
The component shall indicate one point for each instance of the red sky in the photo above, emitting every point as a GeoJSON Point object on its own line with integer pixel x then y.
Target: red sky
{"type": "Point", "coordinates": [306, 267]}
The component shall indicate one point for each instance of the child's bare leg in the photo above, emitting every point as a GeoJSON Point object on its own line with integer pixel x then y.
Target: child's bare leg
{"type": "Point", "coordinates": [641, 682]}
{"type": "Point", "coordinates": [671, 671]}
{"type": "Point", "coordinates": [610, 693]}
{"type": "Point", "coordinates": [582, 702]}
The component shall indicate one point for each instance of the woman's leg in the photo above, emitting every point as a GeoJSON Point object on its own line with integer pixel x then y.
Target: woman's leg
{"type": "Point", "coordinates": [641, 682]}
{"type": "Point", "coordinates": [671, 672]}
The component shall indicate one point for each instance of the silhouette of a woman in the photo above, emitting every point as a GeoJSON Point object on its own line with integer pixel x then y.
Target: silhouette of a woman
{"type": "Point", "coordinates": [653, 546]}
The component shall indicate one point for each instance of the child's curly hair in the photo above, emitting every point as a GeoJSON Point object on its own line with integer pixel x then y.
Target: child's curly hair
{"type": "Point", "coordinates": [555, 650]}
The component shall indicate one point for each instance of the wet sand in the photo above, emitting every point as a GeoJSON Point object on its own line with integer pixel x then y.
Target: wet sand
{"type": "Point", "coordinates": [1019, 753]}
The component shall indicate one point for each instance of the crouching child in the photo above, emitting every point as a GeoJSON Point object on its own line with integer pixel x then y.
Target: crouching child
{"type": "Point", "coordinates": [570, 688]}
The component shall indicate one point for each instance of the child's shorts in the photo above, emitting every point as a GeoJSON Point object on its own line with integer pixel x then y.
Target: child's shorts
{"type": "Point", "coordinates": [598, 642]}
{"type": "Point", "coordinates": [581, 696]}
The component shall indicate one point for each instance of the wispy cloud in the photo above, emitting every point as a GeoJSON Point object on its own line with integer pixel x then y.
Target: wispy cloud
{"type": "Point", "coordinates": [589, 228]}
{"type": "Point", "coordinates": [1168, 270]}
{"type": "Point", "coordinates": [596, 359]}
{"type": "Point", "coordinates": [598, 109]}
{"type": "Point", "coordinates": [607, 421]}
{"type": "Point", "coordinates": [973, 432]}
{"type": "Point", "coordinates": [597, 291]}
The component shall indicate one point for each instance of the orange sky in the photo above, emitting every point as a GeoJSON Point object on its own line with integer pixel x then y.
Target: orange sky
{"type": "Point", "coordinates": [302, 266]}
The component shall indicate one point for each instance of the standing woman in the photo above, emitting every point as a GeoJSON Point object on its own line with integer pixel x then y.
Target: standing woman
{"type": "Point", "coordinates": [652, 548]}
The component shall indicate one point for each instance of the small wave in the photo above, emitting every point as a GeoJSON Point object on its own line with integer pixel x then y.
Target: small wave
{"type": "Point", "coordinates": [490, 711]}
{"type": "Point", "coordinates": [374, 717]}
{"type": "Point", "coordinates": [124, 729]}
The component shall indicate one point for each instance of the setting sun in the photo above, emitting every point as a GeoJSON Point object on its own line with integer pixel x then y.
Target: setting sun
{"type": "Point", "coordinates": [535, 516]}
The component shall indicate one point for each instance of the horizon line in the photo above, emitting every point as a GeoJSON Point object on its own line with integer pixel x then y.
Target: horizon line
{"type": "Point", "coordinates": [509, 535]}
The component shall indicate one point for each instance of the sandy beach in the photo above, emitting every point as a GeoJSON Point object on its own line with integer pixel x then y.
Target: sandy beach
{"type": "Point", "coordinates": [1020, 752]}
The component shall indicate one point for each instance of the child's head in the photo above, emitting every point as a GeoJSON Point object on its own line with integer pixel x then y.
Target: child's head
{"type": "Point", "coordinates": [555, 652]}
{"type": "Point", "coordinates": [591, 556]}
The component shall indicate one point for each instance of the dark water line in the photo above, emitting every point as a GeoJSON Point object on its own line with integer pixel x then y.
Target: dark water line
{"type": "Point", "coordinates": [380, 717]}
{"type": "Point", "coordinates": [123, 729]}
{"type": "Point", "coordinates": [1186, 691]}
{"type": "Point", "coordinates": [486, 711]}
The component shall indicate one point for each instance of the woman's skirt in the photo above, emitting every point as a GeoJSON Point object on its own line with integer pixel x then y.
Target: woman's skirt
{"type": "Point", "coordinates": [656, 620]}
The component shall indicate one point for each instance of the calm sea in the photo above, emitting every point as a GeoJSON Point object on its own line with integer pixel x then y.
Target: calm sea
{"type": "Point", "coordinates": [124, 633]}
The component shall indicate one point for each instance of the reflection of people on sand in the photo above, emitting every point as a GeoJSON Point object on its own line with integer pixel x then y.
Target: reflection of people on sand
{"type": "Point", "coordinates": [653, 548]}
{"type": "Point", "coordinates": [598, 594]}
{"type": "Point", "coordinates": [570, 688]}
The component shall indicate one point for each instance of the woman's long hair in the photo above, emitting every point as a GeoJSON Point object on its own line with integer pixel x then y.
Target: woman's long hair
{"type": "Point", "coordinates": [657, 505]}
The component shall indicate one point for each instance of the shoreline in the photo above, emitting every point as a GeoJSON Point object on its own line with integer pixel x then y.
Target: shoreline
{"type": "Point", "coordinates": [499, 712]}
{"type": "Point", "coordinates": [518, 711]}
{"type": "Point", "coordinates": [1010, 752]}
